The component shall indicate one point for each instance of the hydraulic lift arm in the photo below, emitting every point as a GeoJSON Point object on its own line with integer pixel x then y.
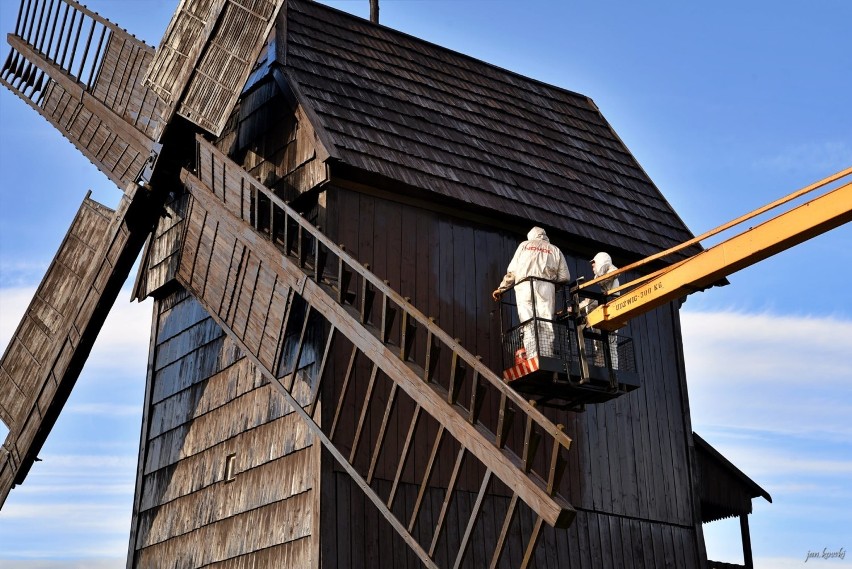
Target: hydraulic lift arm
{"type": "Point", "coordinates": [702, 270]}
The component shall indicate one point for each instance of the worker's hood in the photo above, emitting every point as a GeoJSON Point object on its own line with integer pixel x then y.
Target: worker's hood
{"type": "Point", "coordinates": [603, 262]}
{"type": "Point", "coordinates": [537, 233]}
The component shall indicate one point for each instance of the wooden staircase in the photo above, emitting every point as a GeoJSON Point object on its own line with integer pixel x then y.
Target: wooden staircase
{"type": "Point", "coordinates": [267, 276]}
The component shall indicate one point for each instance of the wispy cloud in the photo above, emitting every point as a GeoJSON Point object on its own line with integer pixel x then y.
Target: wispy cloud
{"type": "Point", "coordinates": [121, 344]}
{"type": "Point", "coordinates": [813, 156]}
{"type": "Point", "coordinates": [758, 371]}
{"type": "Point", "coordinates": [81, 496]}
{"type": "Point", "coordinates": [18, 274]}
{"type": "Point", "coordinates": [774, 395]}
{"type": "Point", "coordinates": [90, 563]}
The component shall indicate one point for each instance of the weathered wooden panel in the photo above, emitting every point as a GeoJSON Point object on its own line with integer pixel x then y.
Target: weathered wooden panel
{"type": "Point", "coordinates": [206, 56]}
{"type": "Point", "coordinates": [629, 458]}
{"type": "Point", "coordinates": [253, 488]}
{"type": "Point", "coordinates": [61, 325]}
{"type": "Point", "coordinates": [91, 92]}
{"type": "Point", "coordinates": [254, 448]}
{"type": "Point", "coordinates": [234, 537]}
{"type": "Point", "coordinates": [53, 304]}
{"type": "Point", "coordinates": [227, 469]}
{"type": "Point", "coordinates": [160, 258]}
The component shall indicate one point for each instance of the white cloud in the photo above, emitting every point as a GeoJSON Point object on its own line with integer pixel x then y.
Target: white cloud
{"type": "Point", "coordinates": [774, 394]}
{"type": "Point", "coordinates": [122, 342]}
{"type": "Point", "coordinates": [21, 273]}
{"type": "Point", "coordinates": [112, 563]}
{"type": "Point", "coordinates": [75, 507]}
{"type": "Point", "coordinates": [769, 374]}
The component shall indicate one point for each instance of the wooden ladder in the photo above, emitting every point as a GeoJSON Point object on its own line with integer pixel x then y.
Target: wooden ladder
{"type": "Point", "coordinates": [264, 273]}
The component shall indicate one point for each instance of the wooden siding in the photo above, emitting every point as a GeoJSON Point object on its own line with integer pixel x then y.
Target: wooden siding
{"type": "Point", "coordinates": [723, 489]}
{"type": "Point", "coordinates": [429, 118]}
{"type": "Point", "coordinates": [275, 141]}
{"type": "Point", "coordinates": [47, 352]}
{"type": "Point", "coordinates": [207, 54]}
{"type": "Point", "coordinates": [629, 460]}
{"type": "Point", "coordinates": [216, 260]}
{"type": "Point", "coordinates": [160, 258]}
{"type": "Point", "coordinates": [92, 93]}
{"type": "Point", "coordinates": [593, 541]}
{"type": "Point", "coordinates": [205, 402]}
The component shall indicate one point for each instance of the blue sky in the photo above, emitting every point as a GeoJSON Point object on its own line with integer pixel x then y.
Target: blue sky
{"type": "Point", "coordinates": [726, 105]}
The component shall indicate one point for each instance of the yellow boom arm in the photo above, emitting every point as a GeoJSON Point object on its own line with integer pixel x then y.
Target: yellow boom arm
{"type": "Point", "coordinates": [708, 267]}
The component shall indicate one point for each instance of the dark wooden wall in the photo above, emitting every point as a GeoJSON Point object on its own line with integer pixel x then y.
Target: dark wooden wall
{"type": "Point", "coordinates": [205, 402]}
{"type": "Point", "coordinates": [629, 471]}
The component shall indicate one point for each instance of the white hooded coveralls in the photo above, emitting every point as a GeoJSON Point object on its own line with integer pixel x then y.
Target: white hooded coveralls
{"type": "Point", "coordinates": [603, 265]}
{"type": "Point", "coordinates": [536, 257]}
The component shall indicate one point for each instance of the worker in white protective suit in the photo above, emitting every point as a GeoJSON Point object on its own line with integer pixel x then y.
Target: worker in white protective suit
{"type": "Point", "coordinates": [602, 265]}
{"type": "Point", "coordinates": [535, 257]}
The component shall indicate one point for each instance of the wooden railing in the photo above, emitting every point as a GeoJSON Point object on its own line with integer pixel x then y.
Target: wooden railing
{"type": "Point", "coordinates": [517, 443]}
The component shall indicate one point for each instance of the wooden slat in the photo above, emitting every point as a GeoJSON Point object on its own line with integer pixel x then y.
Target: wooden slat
{"type": "Point", "coordinates": [207, 54]}
{"type": "Point", "coordinates": [85, 300]}
{"type": "Point", "coordinates": [121, 157]}
{"type": "Point", "coordinates": [479, 441]}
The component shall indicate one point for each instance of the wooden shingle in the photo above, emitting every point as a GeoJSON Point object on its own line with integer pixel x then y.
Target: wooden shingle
{"type": "Point", "coordinates": [436, 120]}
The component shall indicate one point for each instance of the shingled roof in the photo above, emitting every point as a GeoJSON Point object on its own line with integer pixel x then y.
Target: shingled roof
{"type": "Point", "coordinates": [437, 120]}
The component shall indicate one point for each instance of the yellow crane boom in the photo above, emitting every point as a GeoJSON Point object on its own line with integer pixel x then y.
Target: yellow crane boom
{"type": "Point", "coordinates": [702, 270]}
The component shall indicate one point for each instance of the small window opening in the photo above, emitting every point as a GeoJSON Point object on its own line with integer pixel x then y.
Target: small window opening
{"type": "Point", "coordinates": [230, 468]}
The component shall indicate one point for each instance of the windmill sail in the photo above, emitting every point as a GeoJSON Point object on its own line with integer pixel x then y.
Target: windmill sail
{"type": "Point", "coordinates": [83, 74]}
{"type": "Point", "coordinates": [266, 276]}
{"type": "Point", "coordinates": [45, 356]}
{"type": "Point", "coordinates": [206, 55]}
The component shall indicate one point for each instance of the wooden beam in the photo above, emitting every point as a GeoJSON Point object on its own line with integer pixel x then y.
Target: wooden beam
{"type": "Point", "coordinates": [475, 437]}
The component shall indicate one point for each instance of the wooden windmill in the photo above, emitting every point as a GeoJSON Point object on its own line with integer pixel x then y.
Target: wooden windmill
{"type": "Point", "coordinates": [322, 206]}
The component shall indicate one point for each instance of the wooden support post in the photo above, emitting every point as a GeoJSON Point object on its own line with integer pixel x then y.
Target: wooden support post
{"type": "Point", "coordinates": [433, 350]}
{"type": "Point", "coordinates": [349, 371]}
{"type": "Point", "coordinates": [388, 315]}
{"type": "Point", "coordinates": [531, 441]}
{"type": "Point", "coordinates": [320, 259]}
{"type": "Point", "coordinates": [344, 278]}
{"type": "Point", "coordinates": [406, 450]}
{"type": "Point", "coordinates": [359, 428]}
{"type": "Point", "coordinates": [409, 329]}
{"type": "Point", "coordinates": [382, 431]}
{"type": "Point", "coordinates": [303, 246]}
{"type": "Point", "coordinates": [504, 421]}
{"type": "Point", "coordinates": [315, 390]}
{"type": "Point", "coordinates": [368, 294]}
{"type": "Point", "coordinates": [748, 561]}
{"type": "Point", "coordinates": [474, 516]}
{"type": "Point", "coordinates": [504, 532]}
{"type": "Point", "coordinates": [477, 395]}
{"type": "Point", "coordinates": [557, 466]}
{"type": "Point", "coordinates": [532, 543]}
{"type": "Point", "coordinates": [424, 484]}
{"type": "Point", "coordinates": [448, 497]}
{"type": "Point", "coordinates": [457, 373]}
{"type": "Point", "coordinates": [302, 336]}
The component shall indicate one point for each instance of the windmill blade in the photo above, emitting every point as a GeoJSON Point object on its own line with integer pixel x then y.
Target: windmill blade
{"type": "Point", "coordinates": [93, 93]}
{"type": "Point", "coordinates": [45, 356]}
{"type": "Point", "coordinates": [206, 55]}
{"type": "Point", "coordinates": [266, 276]}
